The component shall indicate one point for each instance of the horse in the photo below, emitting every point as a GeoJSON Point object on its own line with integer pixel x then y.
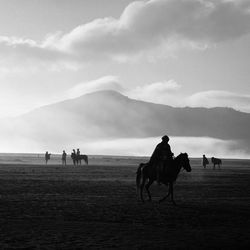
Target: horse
{"type": "Point", "coordinates": [78, 158]}
{"type": "Point", "coordinates": [216, 161]}
{"type": "Point", "coordinates": [169, 175]}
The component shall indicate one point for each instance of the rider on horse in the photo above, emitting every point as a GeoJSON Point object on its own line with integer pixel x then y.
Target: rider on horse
{"type": "Point", "coordinates": [78, 152]}
{"type": "Point", "coordinates": [161, 157]}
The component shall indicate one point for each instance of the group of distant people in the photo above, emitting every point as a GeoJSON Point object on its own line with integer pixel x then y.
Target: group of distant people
{"type": "Point", "coordinates": [161, 158]}
{"type": "Point", "coordinates": [64, 156]}
{"type": "Point", "coordinates": [215, 161]}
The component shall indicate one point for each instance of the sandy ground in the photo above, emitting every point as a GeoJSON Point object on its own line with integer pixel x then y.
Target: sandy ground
{"type": "Point", "coordinates": [96, 207]}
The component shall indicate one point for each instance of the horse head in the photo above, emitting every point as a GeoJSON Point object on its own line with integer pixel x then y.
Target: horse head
{"type": "Point", "coordinates": [185, 161]}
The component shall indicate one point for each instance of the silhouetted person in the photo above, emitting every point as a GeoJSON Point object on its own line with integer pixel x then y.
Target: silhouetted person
{"type": "Point", "coordinates": [47, 157]}
{"type": "Point", "coordinates": [161, 157]}
{"type": "Point", "coordinates": [78, 158]}
{"type": "Point", "coordinates": [78, 152]}
{"type": "Point", "coordinates": [64, 156]}
{"type": "Point", "coordinates": [73, 156]}
{"type": "Point", "coordinates": [204, 161]}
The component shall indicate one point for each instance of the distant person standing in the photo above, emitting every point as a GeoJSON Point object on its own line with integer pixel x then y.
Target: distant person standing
{"type": "Point", "coordinates": [64, 156]}
{"type": "Point", "coordinates": [47, 157]}
{"type": "Point", "coordinates": [78, 159]}
{"type": "Point", "coordinates": [73, 156]}
{"type": "Point", "coordinates": [205, 161]}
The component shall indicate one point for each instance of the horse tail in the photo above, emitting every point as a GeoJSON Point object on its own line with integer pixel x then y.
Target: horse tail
{"type": "Point", "coordinates": [139, 175]}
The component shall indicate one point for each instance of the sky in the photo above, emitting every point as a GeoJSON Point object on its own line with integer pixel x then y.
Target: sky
{"type": "Point", "coordinates": [175, 52]}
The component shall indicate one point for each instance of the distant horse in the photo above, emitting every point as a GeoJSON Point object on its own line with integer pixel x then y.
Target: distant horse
{"type": "Point", "coordinates": [216, 161]}
{"type": "Point", "coordinates": [77, 159]}
{"type": "Point", "coordinates": [147, 172]}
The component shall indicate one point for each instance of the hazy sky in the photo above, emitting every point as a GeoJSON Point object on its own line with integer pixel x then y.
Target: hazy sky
{"type": "Point", "coordinates": [177, 52]}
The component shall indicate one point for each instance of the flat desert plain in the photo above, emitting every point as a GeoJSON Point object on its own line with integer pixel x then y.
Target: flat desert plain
{"type": "Point", "coordinates": [96, 206]}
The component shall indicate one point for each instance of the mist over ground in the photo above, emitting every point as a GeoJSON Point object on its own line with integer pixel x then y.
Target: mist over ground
{"type": "Point", "coordinates": [194, 146]}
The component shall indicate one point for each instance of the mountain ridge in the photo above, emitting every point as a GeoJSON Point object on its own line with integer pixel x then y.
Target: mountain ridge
{"type": "Point", "coordinates": [107, 107]}
{"type": "Point", "coordinates": [112, 93]}
{"type": "Point", "coordinates": [111, 115]}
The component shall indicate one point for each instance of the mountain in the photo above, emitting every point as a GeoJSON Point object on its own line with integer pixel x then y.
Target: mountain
{"type": "Point", "coordinates": [109, 114]}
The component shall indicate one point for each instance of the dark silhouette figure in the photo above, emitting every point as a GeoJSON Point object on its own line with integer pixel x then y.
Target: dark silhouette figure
{"type": "Point", "coordinates": [77, 157]}
{"type": "Point", "coordinates": [83, 157]}
{"type": "Point", "coordinates": [78, 152]}
{"type": "Point", "coordinates": [205, 161]}
{"type": "Point", "coordinates": [73, 156]}
{"type": "Point", "coordinates": [47, 157]}
{"type": "Point", "coordinates": [216, 161]}
{"type": "Point", "coordinates": [169, 175]}
{"type": "Point", "coordinates": [64, 156]}
{"type": "Point", "coordinates": [161, 157]}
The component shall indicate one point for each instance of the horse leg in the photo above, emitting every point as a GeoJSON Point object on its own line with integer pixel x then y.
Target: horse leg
{"type": "Point", "coordinates": [165, 197]}
{"type": "Point", "coordinates": [86, 160]}
{"type": "Point", "coordinates": [142, 187]}
{"type": "Point", "coordinates": [147, 188]}
{"type": "Point", "coordinates": [171, 187]}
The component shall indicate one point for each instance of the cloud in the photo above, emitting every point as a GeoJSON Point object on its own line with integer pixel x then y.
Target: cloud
{"type": "Point", "coordinates": [146, 26]}
{"type": "Point", "coordinates": [145, 29]}
{"type": "Point", "coordinates": [164, 92]}
{"type": "Point", "coordinates": [18, 53]}
{"type": "Point", "coordinates": [104, 83]}
{"type": "Point", "coordinates": [215, 98]}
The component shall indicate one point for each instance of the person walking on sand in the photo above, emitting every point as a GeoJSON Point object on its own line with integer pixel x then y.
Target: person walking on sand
{"type": "Point", "coordinates": [47, 157]}
{"type": "Point", "coordinates": [64, 155]}
{"type": "Point", "coordinates": [161, 157]}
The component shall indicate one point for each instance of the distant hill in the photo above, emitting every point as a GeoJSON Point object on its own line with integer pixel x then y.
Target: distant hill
{"type": "Point", "coordinates": [108, 114]}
